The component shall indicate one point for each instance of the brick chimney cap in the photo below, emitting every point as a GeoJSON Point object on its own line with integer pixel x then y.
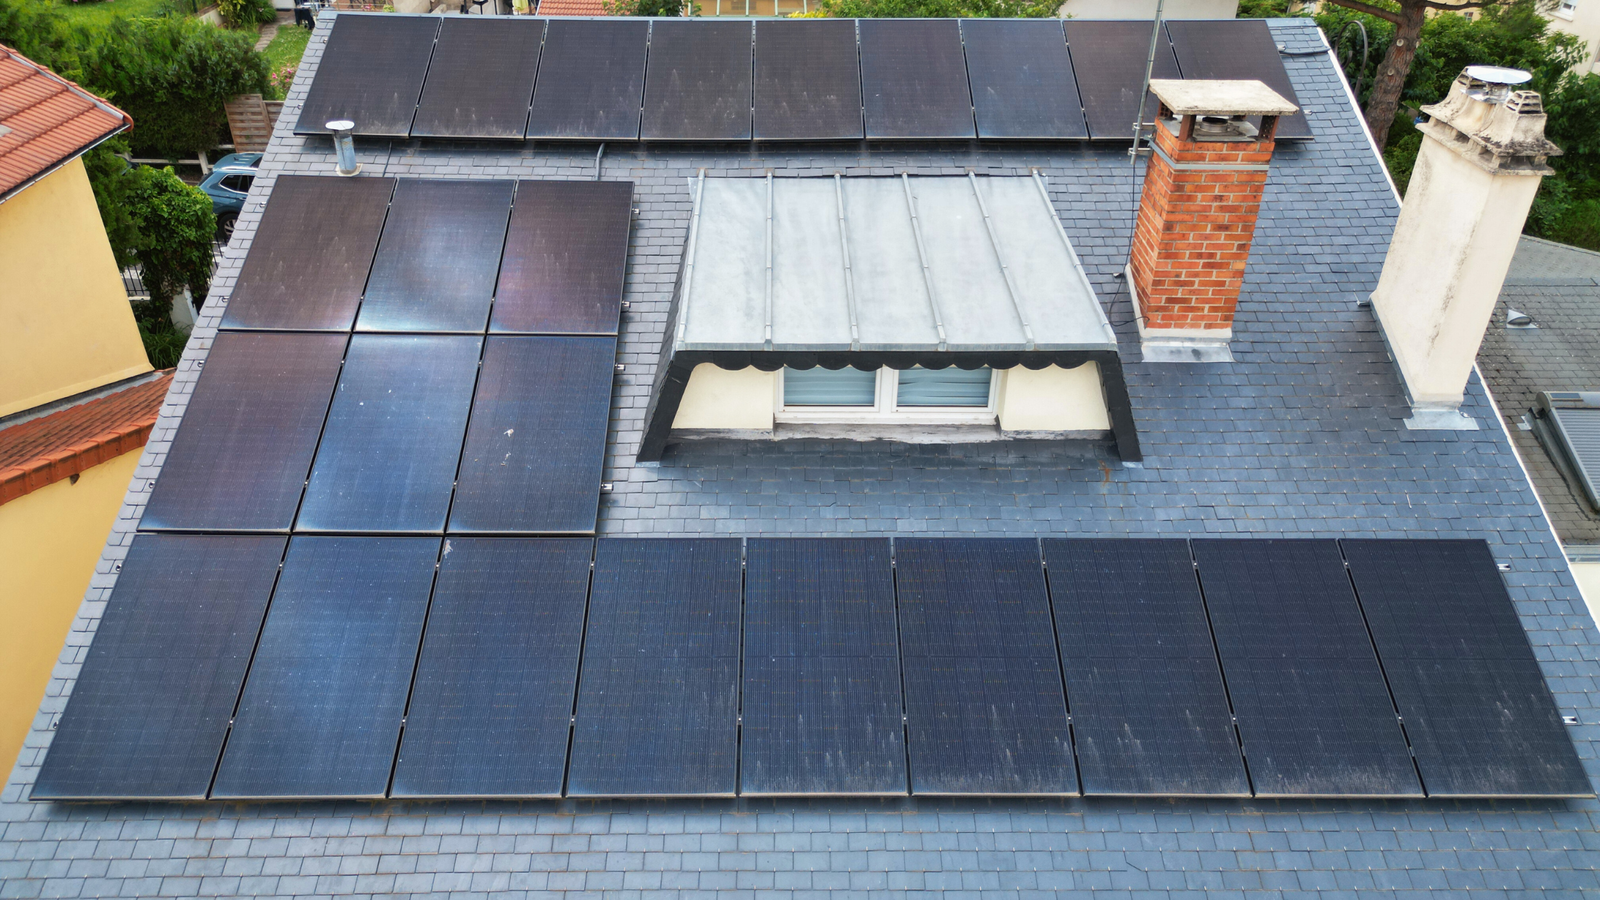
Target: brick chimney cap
{"type": "Point", "coordinates": [1196, 97]}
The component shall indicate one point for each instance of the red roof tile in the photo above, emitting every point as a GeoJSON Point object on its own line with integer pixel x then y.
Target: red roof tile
{"type": "Point", "coordinates": [46, 120]}
{"type": "Point", "coordinates": [571, 8]}
{"type": "Point", "coordinates": [45, 450]}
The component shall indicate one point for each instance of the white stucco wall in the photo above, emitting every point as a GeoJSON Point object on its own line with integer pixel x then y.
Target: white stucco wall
{"type": "Point", "coordinates": [1053, 399]}
{"type": "Point", "coordinates": [1584, 22]}
{"type": "Point", "coordinates": [718, 398]}
{"type": "Point", "coordinates": [1146, 9]}
{"type": "Point", "coordinates": [1588, 575]}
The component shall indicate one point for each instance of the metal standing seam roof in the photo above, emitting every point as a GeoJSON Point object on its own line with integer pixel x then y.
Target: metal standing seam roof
{"type": "Point", "coordinates": [901, 263]}
{"type": "Point", "coordinates": [46, 120]}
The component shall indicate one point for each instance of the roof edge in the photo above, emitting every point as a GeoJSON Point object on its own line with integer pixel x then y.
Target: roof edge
{"type": "Point", "coordinates": [76, 455]}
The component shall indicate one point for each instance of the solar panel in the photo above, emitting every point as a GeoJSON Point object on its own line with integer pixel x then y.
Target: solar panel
{"type": "Point", "coordinates": [371, 73]}
{"type": "Point", "coordinates": [1475, 705]}
{"type": "Point", "coordinates": [566, 254]}
{"type": "Point", "coordinates": [536, 448]}
{"type": "Point", "coordinates": [591, 80]}
{"type": "Point", "coordinates": [1021, 76]}
{"type": "Point", "coordinates": [490, 712]}
{"type": "Point", "coordinates": [807, 81]}
{"type": "Point", "coordinates": [984, 708]}
{"type": "Point", "coordinates": [458, 101]}
{"type": "Point", "coordinates": [308, 262]}
{"type": "Point", "coordinates": [240, 458]}
{"type": "Point", "coordinates": [150, 708]}
{"type": "Point", "coordinates": [658, 699]}
{"type": "Point", "coordinates": [1149, 712]}
{"type": "Point", "coordinates": [437, 261]}
{"type": "Point", "coordinates": [1314, 714]}
{"type": "Point", "coordinates": [1236, 48]}
{"type": "Point", "coordinates": [914, 79]}
{"type": "Point", "coordinates": [393, 439]}
{"type": "Point", "coordinates": [697, 83]}
{"type": "Point", "coordinates": [821, 702]}
{"type": "Point", "coordinates": [1108, 58]}
{"type": "Point", "coordinates": [320, 715]}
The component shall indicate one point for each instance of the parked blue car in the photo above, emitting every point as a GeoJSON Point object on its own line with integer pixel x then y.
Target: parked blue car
{"type": "Point", "coordinates": [227, 185]}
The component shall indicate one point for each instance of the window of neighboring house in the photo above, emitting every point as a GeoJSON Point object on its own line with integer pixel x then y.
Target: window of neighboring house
{"type": "Point", "coordinates": [948, 396]}
{"type": "Point", "coordinates": [1567, 8]}
{"type": "Point", "coordinates": [754, 7]}
{"type": "Point", "coordinates": [238, 183]}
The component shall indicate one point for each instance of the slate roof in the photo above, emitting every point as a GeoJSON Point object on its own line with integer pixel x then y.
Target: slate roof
{"type": "Point", "coordinates": [1303, 435]}
{"type": "Point", "coordinates": [44, 450]}
{"type": "Point", "coordinates": [1559, 287]}
{"type": "Point", "coordinates": [46, 120]}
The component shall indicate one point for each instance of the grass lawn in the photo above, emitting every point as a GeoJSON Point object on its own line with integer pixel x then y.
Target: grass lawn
{"type": "Point", "coordinates": [285, 49]}
{"type": "Point", "coordinates": [101, 13]}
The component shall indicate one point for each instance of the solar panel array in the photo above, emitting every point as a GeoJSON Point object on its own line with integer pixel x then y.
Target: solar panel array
{"type": "Point", "coordinates": [768, 80]}
{"type": "Point", "coordinates": [259, 667]}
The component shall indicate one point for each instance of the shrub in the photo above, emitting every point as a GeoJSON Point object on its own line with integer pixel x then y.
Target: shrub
{"type": "Point", "coordinates": [938, 9]}
{"type": "Point", "coordinates": [245, 13]}
{"type": "Point", "coordinates": [176, 225]}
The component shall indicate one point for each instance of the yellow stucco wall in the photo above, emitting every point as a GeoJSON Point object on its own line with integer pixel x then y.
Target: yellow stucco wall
{"type": "Point", "coordinates": [65, 323]}
{"type": "Point", "coordinates": [1053, 399]}
{"type": "Point", "coordinates": [1588, 575]}
{"type": "Point", "coordinates": [720, 398]}
{"type": "Point", "coordinates": [50, 541]}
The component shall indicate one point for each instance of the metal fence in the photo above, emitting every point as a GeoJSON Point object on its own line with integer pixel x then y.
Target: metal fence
{"type": "Point", "coordinates": [133, 276]}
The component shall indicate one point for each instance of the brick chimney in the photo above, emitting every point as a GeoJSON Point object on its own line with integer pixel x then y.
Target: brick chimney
{"type": "Point", "coordinates": [1482, 158]}
{"type": "Point", "coordinates": [1197, 214]}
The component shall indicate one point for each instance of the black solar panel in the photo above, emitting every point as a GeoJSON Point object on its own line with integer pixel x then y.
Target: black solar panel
{"type": "Point", "coordinates": [914, 79]}
{"type": "Point", "coordinates": [490, 712]}
{"type": "Point", "coordinates": [1314, 714]}
{"type": "Point", "coordinates": [591, 80]}
{"type": "Point", "coordinates": [1022, 82]}
{"type": "Point", "coordinates": [566, 254]}
{"type": "Point", "coordinates": [821, 705]}
{"type": "Point", "coordinates": [1236, 48]}
{"type": "Point", "coordinates": [240, 458]}
{"type": "Point", "coordinates": [984, 708]}
{"type": "Point", "coordinates": [1480, 718]}
{"type": "Point", "coordinates": [807, 80]}
{"type": "Point", "coordinates": [436, 263]}
{"type": "Point", "coordinates": [697, 87]}
{"type": "Point", "coordinates": [536, 447]}
{"type": "Point", "coordinates": [658, 700]}
{"type": "Point", "coordinates": [1108, 58]}
{"type": "Point", "coordinates": [393, 438]}
{"type": "Point", "coordinates": [480, 84]}
{"type": "Point", "coordinates": [151, 705]}
{"type": "Point", "coordinates": [308, 262]}
{"type": "Point", "coordinates": [320, 715]}
{"type": "Point", "coordinates": [371, 73]}
{"type": "Point", "coordinates": [1149, 712]}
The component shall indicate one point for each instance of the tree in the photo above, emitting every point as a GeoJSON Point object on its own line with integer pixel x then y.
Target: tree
{"type": "Point", "coordinates": [938, 9]}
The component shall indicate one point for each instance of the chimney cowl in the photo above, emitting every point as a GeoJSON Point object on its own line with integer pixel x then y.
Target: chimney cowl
{"type": "Point", "coordinates": [1498, 129]}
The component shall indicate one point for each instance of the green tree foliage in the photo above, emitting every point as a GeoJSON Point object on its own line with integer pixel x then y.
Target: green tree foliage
{"type": "Point", "coordinates": [245, 13]}
{"type": "Point", "coordinates": [1264, 9]}
{"type": "Point", "coordinates": [938, 9]}
{"type": "Point", "coordinates": [114, 180]}
{"type": "Point", "coordinates": [40, 32]}
{"type": "Point", "coordinates": [648, 8]}
{"type": "Point", "coordinates": [176, 225]}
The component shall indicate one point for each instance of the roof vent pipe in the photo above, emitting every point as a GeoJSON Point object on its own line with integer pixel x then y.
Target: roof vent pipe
{"type": "Point", "coordinates": [344, 146]}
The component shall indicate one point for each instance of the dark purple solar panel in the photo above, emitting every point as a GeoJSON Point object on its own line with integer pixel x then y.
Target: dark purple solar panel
{"type": "Point", "coordinates": [697, 87]}
{"type": "Point", "coordinates": [807, 80]}
{"type": "Point", "coordinates": [565, 257]}
{"type": "Point", "coordinates": [591, 80]}
{"type": "Point", "coordinates": [1109, 58]}
{"type": "Point", "coordinates": [371, 73]}
{"type": "Point", "coordinates": [458, 101]}
{"type": "Point", "coordinates": [1021, 77]}
{"type": "Point", "coordinates": [914, 79]}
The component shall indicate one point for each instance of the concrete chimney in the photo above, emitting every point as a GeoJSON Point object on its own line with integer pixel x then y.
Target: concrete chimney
{"type": "Point", "coordinates": [1483, 155]}
{"type": "Point", "coordinates": [1197, 214]}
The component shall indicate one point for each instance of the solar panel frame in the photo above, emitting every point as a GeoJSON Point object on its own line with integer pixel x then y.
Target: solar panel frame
{"type": "Point", "coordinates": [321, 710]}
{"type": "Point", "coordinates": [392, 442]}
{"type": "Point", "coordinates": [1150, 714]}
{"type": "Point", "coordinates": [490, 710]}
{"type": "Point", "coordinates": [371, 73]}
{"type": "Point", "coordinates": [565, 260]}
{"type": "Point", "coordinates": [439, 257]}
{"type": "Point", "coordinates": [307, 264]}
{"type": "Point", "coordinates": [149, 710]}
{"type": "Point", "coordinates": [914, 79]}
{"type": "Point", "coordinates": [807, 81]}
{"type": "Point", "coordinates": [536, 445]}
{"type": "Point", "coordinates": [591, 80]}
{"type": "Point", "coordinates": [243, 450]}
{"type": "Point", "coordinates": [698, 81]}
{"type": "Point", "coordinates": [1314, 714]}
{"type": "Point", "coordinates": [1012, 100]}
{"type": "Point", "coordinates": [1477, 710]}
{"type": "Point", "coordinates": [1108, 61]}
{"type": "Point", "coordinates": [1237, 49]}
{"type": "Point", "coordinates": [821, 708]}
{"type": "Point", "coordinates": [985, 711]}
{"type": "Point", "coordinates": [457, 101]}
{"type": "Point", "coordinates": [658, 701]}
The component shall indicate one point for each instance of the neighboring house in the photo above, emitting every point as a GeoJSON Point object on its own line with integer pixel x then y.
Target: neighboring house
{"type": "Point", "coordinates": [1286, 418]}
{"type": "Point", "coordinates": [77, 397]}
{"type": "Point", "coordinates": [1146, 9]}
{"type": "Point", "coordinates": [1558, 288]}
{"type": "Point", "coordinates": [1580, 18]}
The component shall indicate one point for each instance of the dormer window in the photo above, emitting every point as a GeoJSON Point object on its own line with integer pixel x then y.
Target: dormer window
{"type": "Point", "coordinates": [949, 396]}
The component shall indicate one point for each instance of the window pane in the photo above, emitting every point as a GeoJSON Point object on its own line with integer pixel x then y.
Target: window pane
{"type": "Point", "coordinates": [944, 387]}
{"type": "Point", "coordinates": [822, 387]}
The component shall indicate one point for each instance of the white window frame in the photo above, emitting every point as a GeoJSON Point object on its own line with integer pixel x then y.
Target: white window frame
{"type": "Point", "coordinates": [1566, 8]}
{"type": "Point", "coordinates": [887, 411]}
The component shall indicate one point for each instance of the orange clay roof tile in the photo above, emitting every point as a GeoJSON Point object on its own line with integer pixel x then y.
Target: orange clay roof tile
{"type": "Point", "coordinates": [45, 450]}
{"type": "Point", "coordinates": [46, 120]}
